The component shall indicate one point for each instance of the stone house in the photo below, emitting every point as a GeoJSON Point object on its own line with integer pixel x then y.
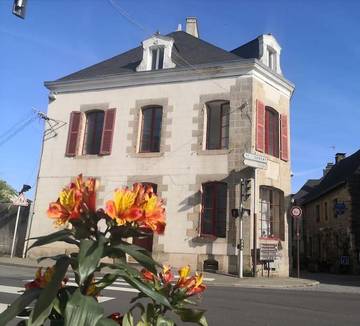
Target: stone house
{"type": "Point", "coordinates": [331, 223]}
{"type": "Point", "coordinates": [179, 113]}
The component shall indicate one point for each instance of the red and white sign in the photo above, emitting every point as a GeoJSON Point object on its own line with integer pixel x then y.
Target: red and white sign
{"type": "Point", "coordinates": [296, 212]}
{"type": "Point", "coordinates": [19, 200]}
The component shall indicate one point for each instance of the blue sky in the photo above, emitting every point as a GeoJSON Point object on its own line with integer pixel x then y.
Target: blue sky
{"type": "Point", "coordinates": [321, 51]}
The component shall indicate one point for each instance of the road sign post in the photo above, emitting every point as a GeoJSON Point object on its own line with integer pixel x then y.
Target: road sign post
{"type": "Point", "coordinates": [296, 213]}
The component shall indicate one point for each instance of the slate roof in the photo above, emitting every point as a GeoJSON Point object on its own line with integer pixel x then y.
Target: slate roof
{"type": "Point", "coordinates": [193, 50]}
{"type": "Point", "coordinates": [305, 190]}
{"type": "Point", "coordinates": [338, 175]}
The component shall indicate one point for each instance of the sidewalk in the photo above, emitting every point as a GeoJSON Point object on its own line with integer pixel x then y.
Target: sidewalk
{"type": "Point", "coordinates": [210, 279]}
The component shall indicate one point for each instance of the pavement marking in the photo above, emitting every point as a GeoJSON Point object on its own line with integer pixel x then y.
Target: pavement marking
{"type": "Point", "coordinates": [3, 307]}
{"type": "Point", "coordinates": [11, 289]}
{"type": "Point", "coordinates": [113, 288]}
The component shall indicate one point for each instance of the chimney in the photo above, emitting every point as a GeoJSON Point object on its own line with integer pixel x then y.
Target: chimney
{"type": "Point", "coordinates": [192, 26]}
{"type": "Point", "coordinates": [339, 157]}
{"type": "Point", "coordinates": [327, 168]}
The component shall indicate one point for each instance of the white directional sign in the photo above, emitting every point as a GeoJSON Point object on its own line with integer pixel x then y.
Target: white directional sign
{"type": "Point", "coordinates": [255, 160]}
{"type": "Point", "coordinates": [19, 200]}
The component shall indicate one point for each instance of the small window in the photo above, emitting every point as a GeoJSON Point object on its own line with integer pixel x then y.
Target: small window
{"type": "Point", "coordinates": [335, 201]}
{"type": "Point", "coordinates": [326, 211]}
{"type": "Point", "coordinates": [217, 135]}
{"type": "Point", "coordinates": [272, 213]}
{"type": "Point", "coordinates": [271, 132]}
{"type": "Point", "coordinates": [150, 184]}
{"type": "Point", "coordinates": [151, 129]}
{"type": "Point", "coordinates": [157, 56]}
{"type": "Point", "coordinates": [317, 213]}
{"type": "Point", "coordinates": [272, 59]}
{"type": "Point", "coordinates": [93, 132]}
{"type": "Point", "coordinates": [214, 203]}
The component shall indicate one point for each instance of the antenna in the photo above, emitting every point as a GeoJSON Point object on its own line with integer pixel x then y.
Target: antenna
{"type": "Point", "coordinates": [51, 125]}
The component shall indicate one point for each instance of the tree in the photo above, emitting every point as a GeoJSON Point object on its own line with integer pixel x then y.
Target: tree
{"type": "Point", "coordinates": [6, 191]}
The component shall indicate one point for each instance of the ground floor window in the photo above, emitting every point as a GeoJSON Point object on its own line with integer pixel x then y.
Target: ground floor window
{"type": "Point", "coordinates": [214, 203]}
{"type": "Point", "coordinates": [271, 213]}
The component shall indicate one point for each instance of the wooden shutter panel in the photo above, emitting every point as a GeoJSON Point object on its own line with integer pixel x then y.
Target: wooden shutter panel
{"type": "Point", "coordinates": [284, 152]}
{"type": "Point", "coordinates": [260, 126]}
{"type": "Point", "coordinates": [73, 134]}
{"type": "Point", "coordinates": [108, 131]}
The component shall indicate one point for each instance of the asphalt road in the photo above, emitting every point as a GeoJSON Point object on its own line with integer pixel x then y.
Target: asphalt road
{"type": "Point", "coordinates": [317, 306]}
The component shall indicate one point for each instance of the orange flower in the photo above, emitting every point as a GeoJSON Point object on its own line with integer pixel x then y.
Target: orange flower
{"type": "Point", "coordinates": [147, 275]}
{"type": "Point", "coordinates": [193, 284]}
{"type": "Point", "coordinates": [42, 279]}
{"type": "Point", "coordinates": [122, 208]}
{"type": "Point", "coordinates": [78, 197]}
{"type": "Point", "coordinates": [166, 275]}
{"type": "Point", "coordinates": [67, 207]}
{"type": "Point", "coordinates": [154, 212]}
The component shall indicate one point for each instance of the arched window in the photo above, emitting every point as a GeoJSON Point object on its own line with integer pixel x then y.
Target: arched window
{"type": "Point", "coordinates": [272, 213]}
{"type": "Point", "coordinates": [151, 129]}
{"type": "Point", "coordinates": [93, 132]}
{"type": "Point", "coordinates": [214, 209]}
{"type": "Point", "coordinates": [217, 125]}
{"type": "Point", "coordinates": [271, 131]}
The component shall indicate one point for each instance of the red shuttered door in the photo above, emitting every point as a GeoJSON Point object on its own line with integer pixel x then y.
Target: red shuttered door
{"type": "Point", "coordinates": [260, 126]}
{"type": "Point", "coordinates": [73, 134]}
{"type": "Point", "coordinates": [284, 155]}
{"type": "Point", "coordinates": [108, 131]}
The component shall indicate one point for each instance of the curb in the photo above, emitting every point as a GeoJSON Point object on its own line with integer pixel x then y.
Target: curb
{"type": "Point", "coordinates": [265, 286]}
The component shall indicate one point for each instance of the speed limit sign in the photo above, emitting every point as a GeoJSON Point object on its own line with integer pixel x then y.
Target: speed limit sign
{"type": "Point", "coordinates": [296, 212]}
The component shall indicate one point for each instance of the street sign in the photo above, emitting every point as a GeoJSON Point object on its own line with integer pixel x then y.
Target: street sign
{"type": "Point", "coordinates": [344, 260]}
{"type": "Point", "coordinates": [340, 208]}
{"type": "Point", "coordinates": [268, 252]}
{"type": "Point", "coordinates": [19, 200]}
{"type": "Point", "coordinates": [255, 160]}
{"type": "Point", "coordinates": [296, 212]}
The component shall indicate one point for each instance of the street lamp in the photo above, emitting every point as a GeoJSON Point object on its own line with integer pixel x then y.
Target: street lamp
{"type": "Point", "coordinates": [19, 201]}
{"type": "Point", "coordinates": [19, 8]}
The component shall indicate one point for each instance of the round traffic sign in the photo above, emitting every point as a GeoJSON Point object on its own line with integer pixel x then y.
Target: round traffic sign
{"type": "Point", "coordinates": [296, 211]}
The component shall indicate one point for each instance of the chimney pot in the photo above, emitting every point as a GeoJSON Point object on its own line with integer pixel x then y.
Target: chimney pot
{"type": "Point", "coordinates": [192, 26]}
{"type": "Point", "coordinates": [339, 157]}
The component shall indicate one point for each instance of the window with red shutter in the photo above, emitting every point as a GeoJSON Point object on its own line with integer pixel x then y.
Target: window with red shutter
{"type": "Point", "coordinates": [260, 126]}
{"type": "Point", "coordinates": [107, 132]}
{"type": "Point", "coordinates": [284, 155]}
{"type": "Point", "coordinates": [271, 132]}
{"type": "Point", "coordinates": [93, 132]}
{"type": "Point", "coordinates": [151, 129]}
{"type": "Point", "coordinates": [73, 134]}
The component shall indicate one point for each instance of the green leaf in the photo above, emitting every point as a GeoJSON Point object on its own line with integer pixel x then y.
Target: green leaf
{"type": "Point", "coordinates": [191, 315]}
{"type": "Point", "coordinates": [128, 320]}
{"type": "Point", "coordinates": [139, 255]}
{"type": "Point", "coordinates": [162, 321]}
{"type": "Point", "coordinates": [45, 302]}
{"type": "Point", "coordinates": [106, 322]}
{"type": "Point", "coordinates": [19, 305]}
{"type": "Point", "coordinates": [146, 289]}
{"type": "Point", "coordinates": [62, 235]}
{"type": "Point", "coordinates": [82, 310]}
{"type": "Point", "coordinates": [89, 256]}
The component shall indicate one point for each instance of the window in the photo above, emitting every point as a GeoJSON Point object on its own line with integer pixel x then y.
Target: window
{"type": "Point", "coordinates": [150, 184]}
{"type": "Point", "coordinates": [157, 57]}
{"type": "Point", "coordinates": [151, 129]}
{"type": "Point", "coordinates": [271, 132]}
{"type": "Point", "coordinates": [217, 130]}
{"type": "Point", "coordinates": [335, 201]}
{"type": "Point", "coordinates": [326, 211]}
{"type": "Point", "coordinates": [272, 59]}
{"type": "Point", "coordinates": [93, 132]}
{"type": "Point", "coordinates": [317, 213]}
{"type": "Point", "coordinates": [214, 203]}
{"type": "Point", "coordinates": [272, 213]}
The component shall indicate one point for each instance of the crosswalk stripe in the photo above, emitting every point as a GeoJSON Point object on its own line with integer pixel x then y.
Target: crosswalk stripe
{"type": "Point", "coordinates": [3, 307]}
{"type": "Point", "coordinates": [113, 288]}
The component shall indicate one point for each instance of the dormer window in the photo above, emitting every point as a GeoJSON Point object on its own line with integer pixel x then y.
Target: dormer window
{"type": "Point", "coordinates": [157, 57]}
{"type": "Point", "coordinates": [157, 51]}
{"type": "Point", "coordinates": [271, 58]}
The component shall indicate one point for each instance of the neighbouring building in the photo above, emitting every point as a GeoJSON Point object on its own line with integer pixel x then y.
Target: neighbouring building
{"type": "Point", "coordinates": [179, 113]}
{"type": "Point", "coordinates": [331, 220]}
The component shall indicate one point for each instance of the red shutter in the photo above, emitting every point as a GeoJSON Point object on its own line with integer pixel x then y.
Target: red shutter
{"type": "Point", "coordinates": [284, 154]}
{"type": "Point", "coordinates": [108, 131]}
{"type": "Point", "coordinates": [73, 133]}
{"type": "Point", "coordinates": [260, 126]}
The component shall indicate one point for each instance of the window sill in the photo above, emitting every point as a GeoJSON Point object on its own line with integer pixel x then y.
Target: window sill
{"type": "Point", "coordinates": [207, 238]}
{"type": "Point", "coordinates": [149, 154]}
{"type": "Point", "coordinates": [88, 156]}
{"type": "Point", "coordinates": [213, 152]}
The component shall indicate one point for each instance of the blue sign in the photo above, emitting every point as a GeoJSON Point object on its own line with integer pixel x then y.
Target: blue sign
{"type": "Point", "coordinates": [340, 208]}
{"type": "Point", "coordinates": [344, 260]}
